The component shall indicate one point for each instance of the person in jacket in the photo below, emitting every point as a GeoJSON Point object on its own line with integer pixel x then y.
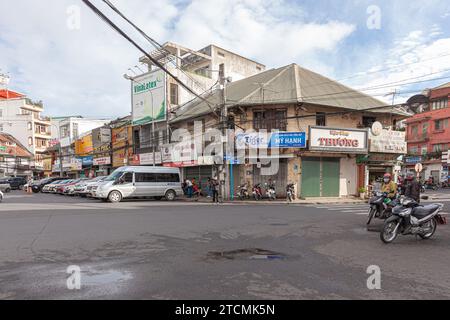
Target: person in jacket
{"type": "Point", "coordinates": [412, 189]}
{"type": "Point", "coordinates": [388, 186]}
{"type": "Point", "coordinates": [214, 185]}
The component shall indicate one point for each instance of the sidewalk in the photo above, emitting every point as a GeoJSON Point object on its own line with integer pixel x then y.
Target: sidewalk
{"type": "Point", "coordinates": [282, 201]}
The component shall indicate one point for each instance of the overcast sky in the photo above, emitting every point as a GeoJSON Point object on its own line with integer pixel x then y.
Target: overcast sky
{"type": "Point", "coordinates": [77, 70]}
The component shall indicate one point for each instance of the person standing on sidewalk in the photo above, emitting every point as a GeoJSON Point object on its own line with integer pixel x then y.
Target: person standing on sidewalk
{"type": "Point", "coordinates": [189, 187]}
{"type": "Point", "coordinates": [214, 186]}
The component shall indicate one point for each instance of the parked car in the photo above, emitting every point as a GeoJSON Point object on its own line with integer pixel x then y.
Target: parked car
{"type": "Point", "coordinates": [39, 185]}
{"type": "Point", "coordinates": [61, 188]}
{"type": "Point", "coordinates": [5, 186]}
{"type": "Point", "coordinates": [141, 182]}
{"type": "Point", "coordinates": [51, 187]}
{"type": "Point", "coordinates": [82, 188]}
{"type": "Point", "coordinates": [17, 183]}
{"type": "Point", "coordinates": [69, 189]}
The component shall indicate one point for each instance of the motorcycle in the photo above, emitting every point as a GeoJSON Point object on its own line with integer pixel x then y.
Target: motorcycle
{"type": "Point", "coordinates": [290, 192]}
{"type": "Point", "coordinates": [409, 218]}
{"type": "Point", "coordinates": [243, 192]}
{"type": "Point", "coordinates": [380, 206]}
{"type": "Point", "coordinates": [257, 192]}
{"type": "Point", "coordinates": [270, 192]}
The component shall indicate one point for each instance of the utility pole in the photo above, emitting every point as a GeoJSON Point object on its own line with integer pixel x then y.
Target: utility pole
{"type": "Point", "coordinates": [224, 177]}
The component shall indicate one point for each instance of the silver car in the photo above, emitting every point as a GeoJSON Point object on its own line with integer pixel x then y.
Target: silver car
{"type": "Point", "coordinates": [141, 182]}
{"type": "Point", "coordinates": [5, 186]}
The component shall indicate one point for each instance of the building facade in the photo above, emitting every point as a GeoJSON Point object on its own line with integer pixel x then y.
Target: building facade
{"type": "Point", "coordinates": [15, 159]}
{"type": "Point", "coordinates": [69, 134]}
{"type": "Point", "coordinates": [289, 125]}
{"type": "Point", "coordinates": [428, 132]}
{"type": "Point", "coordinates": [22, 118]}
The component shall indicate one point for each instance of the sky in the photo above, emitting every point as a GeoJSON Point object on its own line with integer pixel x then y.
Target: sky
{"type": "Point", "coordinates": [59, 52]}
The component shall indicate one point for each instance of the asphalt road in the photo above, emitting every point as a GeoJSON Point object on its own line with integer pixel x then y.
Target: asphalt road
{"type": "Point", "coordinates": [161, 250]}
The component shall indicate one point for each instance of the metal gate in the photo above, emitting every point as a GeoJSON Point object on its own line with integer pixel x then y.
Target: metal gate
{"type": "Point", "coordinates": [280, 177]}
{"type": "Point", "coordinates": [200, 174]}
{"type": "Point", "coordinates": [320, 177]}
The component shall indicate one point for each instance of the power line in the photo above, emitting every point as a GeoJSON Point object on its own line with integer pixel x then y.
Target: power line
{"type": "Point", "coordinates": [124, 35]}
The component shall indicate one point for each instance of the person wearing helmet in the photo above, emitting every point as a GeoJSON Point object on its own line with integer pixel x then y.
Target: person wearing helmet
{"type": "Point", "coordinates": [412, 189]}
{"type": "Point", "coordinates": [389, 186]}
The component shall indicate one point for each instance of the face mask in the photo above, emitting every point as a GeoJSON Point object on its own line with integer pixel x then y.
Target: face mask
{"type": "Point", "coordinates": [386, 180]}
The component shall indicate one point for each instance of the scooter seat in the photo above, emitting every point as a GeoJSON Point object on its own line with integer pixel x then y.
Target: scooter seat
{"type": "Point", "coordinates": [421, 212]}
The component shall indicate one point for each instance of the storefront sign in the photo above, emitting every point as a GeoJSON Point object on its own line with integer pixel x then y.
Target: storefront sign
{"type": "Point", "coordinates": [270, 140]}
{"type": "Point", "coordinates": [86, 161]}
{"type": "Point", "coordinates": [338, 140]}
{"type": "Point", "coordinates": [102, 161]}
{"type": "Point", "coordinates": [83, 146]}
{"type": "Point", "coordinates": [388, 141]}
{"type": "Point", "coordinates": [166, 153]}
{"type": "Point", "coordinates": [287, 140]}
{"type": "Point", "coordinates": [413, 160]}
{"type": "Point", "coordinates": [147, 158]}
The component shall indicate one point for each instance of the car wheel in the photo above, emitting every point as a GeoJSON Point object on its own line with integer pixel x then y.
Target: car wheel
{"type": "Point", "coordinates": [7, 190]}
{"type": "Point", "coordinates": [20, 187]}
{"type": "Point", "coordinates": [170, 195]}
{"type": "Point", "coordinates": [115, 196]}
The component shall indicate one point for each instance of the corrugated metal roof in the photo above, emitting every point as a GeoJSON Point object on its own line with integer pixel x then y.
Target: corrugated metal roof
{"type": "Point", "coordinates": [289, 84]}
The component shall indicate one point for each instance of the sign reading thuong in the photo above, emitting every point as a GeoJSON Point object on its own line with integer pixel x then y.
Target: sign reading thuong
{"type": "Point", "coordinates": [149, 98]}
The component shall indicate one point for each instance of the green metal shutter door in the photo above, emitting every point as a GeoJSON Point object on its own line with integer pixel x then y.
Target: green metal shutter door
{"type": "Point", "coordinates": [310, 177]}
{"type": "Point", "coordinates": [330, 177]}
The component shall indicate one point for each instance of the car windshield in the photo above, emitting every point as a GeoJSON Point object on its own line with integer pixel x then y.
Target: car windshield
{"type": "Point", "coordinates": [4, 181]}
{"type": "Point", "coordinates": [113, 176]}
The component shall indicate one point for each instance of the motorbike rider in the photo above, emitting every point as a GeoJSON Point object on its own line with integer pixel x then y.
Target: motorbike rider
{"type": "Point", "coordinates": [389, 187]}
{"type": "Point", "coordinates": [412, 189]}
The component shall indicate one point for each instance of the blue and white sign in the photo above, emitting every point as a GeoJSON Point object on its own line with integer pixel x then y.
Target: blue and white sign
{"type": "Point", "coordinates": [268, 140]}
{"type": "Point", "coordinates": [287, 140]}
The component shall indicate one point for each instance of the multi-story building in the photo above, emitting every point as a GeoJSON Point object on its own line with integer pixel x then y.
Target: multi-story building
{"type": "Point", "coordinates": [15, 159]}
{"type": "Point", "coordinates": [156, 95]}
{"type": "Point", "coordinates": [428, 131]}
{"type": "Point", "coordinates": [21, 118]}
{"type": "Point", "coordinates": [324, 144]}
{"type": "Point", "coordinates": [66, 131]}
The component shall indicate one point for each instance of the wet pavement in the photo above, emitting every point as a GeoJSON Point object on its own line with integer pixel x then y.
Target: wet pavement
{"type": "Point", "coordinates": [160, 250]}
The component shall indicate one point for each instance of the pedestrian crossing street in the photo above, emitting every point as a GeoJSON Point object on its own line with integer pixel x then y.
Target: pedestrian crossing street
{"type": "Point", "coordinates": [357, 209]}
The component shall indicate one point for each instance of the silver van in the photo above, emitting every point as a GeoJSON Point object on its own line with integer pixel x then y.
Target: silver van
{"type": "Point", "coordinates": [140, 182]}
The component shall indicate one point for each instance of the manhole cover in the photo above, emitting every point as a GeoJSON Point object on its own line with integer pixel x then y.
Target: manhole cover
{"type": "Point", "coordinates": [241, 254]}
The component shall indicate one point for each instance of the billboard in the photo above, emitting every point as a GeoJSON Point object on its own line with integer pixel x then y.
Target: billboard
{"type": "Point", "coordinates": [83, 146]}
{"type": "Point", "coordinates": [149, 98]}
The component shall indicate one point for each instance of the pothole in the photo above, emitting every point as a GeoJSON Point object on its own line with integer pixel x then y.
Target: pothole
{"type": "Point", "coordinates": [246, 254]}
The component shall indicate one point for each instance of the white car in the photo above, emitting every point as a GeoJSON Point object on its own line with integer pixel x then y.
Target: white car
{"type": "Point", "coordinates": [84, 188]}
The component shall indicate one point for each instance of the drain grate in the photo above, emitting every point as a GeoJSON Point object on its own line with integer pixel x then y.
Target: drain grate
{"type": "Point", "coordinates": [249, 253]}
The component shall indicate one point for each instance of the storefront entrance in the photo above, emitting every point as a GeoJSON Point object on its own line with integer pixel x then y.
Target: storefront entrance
{"type": "Point", "coordinates": [320, 177]}
{"type": "Point", "coordinates": [280, 177]}
{"type": "Point", "coordinates": [200, 174]}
